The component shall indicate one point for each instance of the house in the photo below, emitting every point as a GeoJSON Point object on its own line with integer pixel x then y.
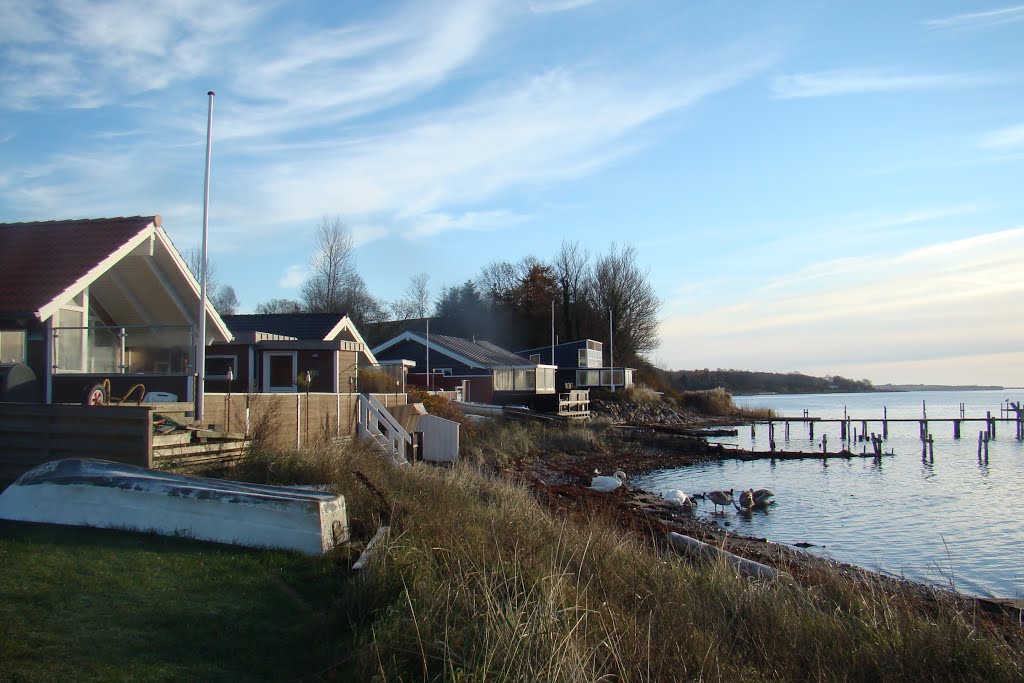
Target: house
{"type": "Point", "coordinates": [486, 373]}
{"type": "Point", "coordinates": [272, 353]}
{"type": "Point", "coordinates": [83, 301]}
{"type": "Point", "coordinates": [581, 365]}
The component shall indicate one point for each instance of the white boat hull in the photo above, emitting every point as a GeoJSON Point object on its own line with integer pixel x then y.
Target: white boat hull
{"type": "Point", "coordinates": [85, 492]}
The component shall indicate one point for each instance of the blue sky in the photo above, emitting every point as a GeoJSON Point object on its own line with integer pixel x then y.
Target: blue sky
{"type": "Point", "coordinates": [832, 188]}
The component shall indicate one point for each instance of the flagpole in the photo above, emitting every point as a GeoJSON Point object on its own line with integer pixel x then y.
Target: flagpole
{"type": "Point", "coordinates": [611, 351]}
{"type": "Point", "coordinates": [201, 342]}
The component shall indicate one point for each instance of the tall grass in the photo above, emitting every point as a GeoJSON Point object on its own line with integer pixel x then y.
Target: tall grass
{"type": "Point", "coordinates": [480, 582]}
{"type": "Point", "coordinates": [718, 402]}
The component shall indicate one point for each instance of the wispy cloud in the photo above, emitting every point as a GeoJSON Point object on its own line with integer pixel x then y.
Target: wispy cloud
{"type": "Point", "coordinates": [973, 20]}
{"type": "Point", "coordinates": [1005, 138]}
{"type": "Point", "coordinates": [859, 81]}
{"type": "Point", "coordinates": [549, 6]}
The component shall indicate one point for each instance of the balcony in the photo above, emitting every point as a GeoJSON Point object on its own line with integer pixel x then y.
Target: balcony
{"type": "Point", "coordinates": [123, 350]}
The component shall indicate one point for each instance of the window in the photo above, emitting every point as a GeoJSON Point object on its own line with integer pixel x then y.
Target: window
{"type": "Point", "coordinates": [12, 346]}
{"type": "Point", "coordinates": [545, 380]}
{"type": "Point", "coordinates": [525, 380]}
{"type": "Point", "coordinates": [217, 367]}
{"type": "Point", "coordinates": [588, 378]}
{"type": "Point", "coordinates": [535, 358]}
{"type": "Point", "coordinates": [447, 372]}
{"type": "Point", "coordinates": [503, 380]}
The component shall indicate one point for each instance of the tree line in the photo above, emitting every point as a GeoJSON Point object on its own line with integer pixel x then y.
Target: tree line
{"type": "Point", "coordinates": [749, 382]}
{"type": "Point", "coordinates": [510, 303]}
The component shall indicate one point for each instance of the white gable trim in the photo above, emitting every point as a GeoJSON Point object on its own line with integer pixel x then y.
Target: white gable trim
{"type": "Point", "coordinates": [346, 324]}
{"type": "Point", "coordinates": [47, 311]}
{"type": "Point", "coordinates": [412, 336]}
{"type": "Point", "coordinates": [211, 312]}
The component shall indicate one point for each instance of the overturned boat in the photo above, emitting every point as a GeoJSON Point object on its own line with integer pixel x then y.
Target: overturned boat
{"type": "Point", "coordinates": [87, 492]}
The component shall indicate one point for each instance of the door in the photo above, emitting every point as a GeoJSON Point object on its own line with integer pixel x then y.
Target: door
{"type": "Point", "coordinates": [279, 371]}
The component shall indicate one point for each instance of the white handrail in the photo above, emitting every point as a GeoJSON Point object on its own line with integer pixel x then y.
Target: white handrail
{"type": "Point", "coordinates": [397, 447]}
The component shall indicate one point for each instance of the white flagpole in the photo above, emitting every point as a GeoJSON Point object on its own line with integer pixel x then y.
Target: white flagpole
{"type": "Point", "coordinates": [611, 351]}
{"type": "Point", "coordinates": [552, 331]}
{"type": "Point", "coordinates": [428, 354]}
{"type": "Point", "coordinates": [201, 342]}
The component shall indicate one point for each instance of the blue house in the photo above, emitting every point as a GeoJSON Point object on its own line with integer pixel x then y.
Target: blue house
{"type": "Point", "coordinates": [581, 365]}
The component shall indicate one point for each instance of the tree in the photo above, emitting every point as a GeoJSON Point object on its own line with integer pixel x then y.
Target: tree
{"type": "Point", "coordinates": [572, 272]}
{"type": "Point", "coordinates": [332, 269]}
{"type": "Point", "coordinates": [533, 299]}
{"type": "Point", "coordinates": [415, 300]}
{"type": "Point", "coordinates": [225, 300]}
{"type": "Point", "coordinates": [621, 288]}
{"type": "Point", "coordinates": [223, 297]}
{"type": "Point", "coordinates": [279, 306]}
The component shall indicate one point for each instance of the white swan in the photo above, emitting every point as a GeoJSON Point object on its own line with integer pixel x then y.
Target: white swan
{"type": "Point", "coordinates": [722, 498]}
{"type": "Point", "coordinates": [605, 484]}
{"type": "Point", "coordinates": [677, 497]}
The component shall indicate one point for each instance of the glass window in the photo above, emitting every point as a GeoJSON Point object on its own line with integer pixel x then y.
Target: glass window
{"type": "Point", "coordinates": [503, 380]}
{"type": "Point", "coordinates": [12, 346]}
{"type": "Point", "coordinates": [217, 367]}
{"type": "Point", "coordinates": [282, 372]}
{"type": "Point", "coordinates": [525, 380]}
{"type": "Point", "coordinates": [535, 358]}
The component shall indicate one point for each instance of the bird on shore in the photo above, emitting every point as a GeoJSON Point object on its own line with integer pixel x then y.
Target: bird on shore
{"type": "Point", "coordinates": [680, 499]}
{"type": "Point", "coordinates": [605, 483]}
{"type": "Point", "coordinates": [722, 498]}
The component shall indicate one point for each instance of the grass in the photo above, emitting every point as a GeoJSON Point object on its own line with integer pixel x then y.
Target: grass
{"type": "Point", "coordinates": [477, 582]}
{"type": "Point", "coordinates": [718, 402]}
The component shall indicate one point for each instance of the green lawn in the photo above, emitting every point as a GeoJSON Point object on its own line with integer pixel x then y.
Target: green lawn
{"type": "Point", "coordinates": [79, 603]}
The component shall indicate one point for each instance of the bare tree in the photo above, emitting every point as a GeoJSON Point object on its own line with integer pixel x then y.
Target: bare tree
{"type": "Point", "coordinates": [498, 280]}
{"type": "Point", "coordinates": [572, 272]}
{"type": "Point", "coordinates": [223, 297]}
{"type": "Point", "coordinates": [332, 268]}
{"type": "Point", "coordinates": [415, 300]}
{"type": "Point", "coordinates": [279, 306]}
{"type": "Point", "coordinates": [621, 288]}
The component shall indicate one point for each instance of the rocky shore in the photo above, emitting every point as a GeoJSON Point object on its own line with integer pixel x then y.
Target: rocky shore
{"type": "Point", "coordinates": [646, 437]}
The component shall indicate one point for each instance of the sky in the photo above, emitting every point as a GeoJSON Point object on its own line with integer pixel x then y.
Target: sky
{"type": "Point", "coordinates": [823, 187]}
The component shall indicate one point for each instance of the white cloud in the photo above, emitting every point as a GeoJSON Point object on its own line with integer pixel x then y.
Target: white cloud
{"type": "Point", "coordinates": [971, 20]}
{"type": "Point", "coordinates": [430, 224]}
{"type": "Point", "coordinates": [1005, 137]}
{"type": "Point", "coordinates": [293, 276]}
{"type": "Point", "coordinates": [943, 300]}
{"type": "Point", "coordinates": [860, 81]}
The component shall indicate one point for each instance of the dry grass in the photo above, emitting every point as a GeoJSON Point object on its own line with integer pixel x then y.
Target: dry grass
{"type": "Point", "coordinates": [479, 582]}
{"type": "Point", "coordinates": [718, 402]}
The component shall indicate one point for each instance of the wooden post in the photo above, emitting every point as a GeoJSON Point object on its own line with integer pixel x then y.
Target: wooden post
{"type": "Point", "coordinates": [991, 425]}
{"type": "Point", "coordinates": [956, 429]}
{"type": "Point", "coordinates": [751, 430]}
{"type": "Point", "coordinates": [864, 427]}
{"type": "Point", "coordinates": [842, 428]}
{"type": "Point", "coordinates": [981, 437]}
{"type": "Point", "coordinates": [787, 430]}
{"type": "Point", "coordinates": [810, 429]}
{"type": "Point", "coordinates": [824, 443]}
{"type": "Point", "coordinates": [885, 422]}
{"type": "Point", "coordinates": [931, 448]}
{"type": "Point", "coordinates": [986, 450]}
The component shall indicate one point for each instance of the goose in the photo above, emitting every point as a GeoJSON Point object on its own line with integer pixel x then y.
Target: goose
{"type": "Point", "coordinates": [722, 498]}
{"type": "Point", "coordinates": [677, 497]}
{"type": "Point", "coordinates": [763, 498]}
{"type": "Point", "coordinates": [746, 503]}
{"type": "Point", "coordinates": [605, 483]}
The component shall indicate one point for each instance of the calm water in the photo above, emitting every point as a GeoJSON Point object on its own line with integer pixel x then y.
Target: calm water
{"type": "Point", "coordinates": [952, 521]}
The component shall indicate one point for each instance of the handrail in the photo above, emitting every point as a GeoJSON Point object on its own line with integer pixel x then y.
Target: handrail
{"type": "Point", "coordinates": [389, 419]}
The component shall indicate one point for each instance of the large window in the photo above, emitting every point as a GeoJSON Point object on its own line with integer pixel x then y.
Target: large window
{"type": "Point", "coordinates": [12, 346]}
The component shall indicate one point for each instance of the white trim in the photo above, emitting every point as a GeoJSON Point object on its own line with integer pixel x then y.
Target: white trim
{"type": "Point", "coordinates": [211, 312]}
{"type": "Point", "coordinates": [412, 336]}
{"type": "Point", "coordinates": [47, 311]}
{"type": "Point", "coordinates": [267, 389]}
{"type": "Point", "coordinates": [346, 324]}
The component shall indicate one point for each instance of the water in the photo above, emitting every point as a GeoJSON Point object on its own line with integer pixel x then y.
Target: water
{"type": "Point", "coordinates": [953, 521]}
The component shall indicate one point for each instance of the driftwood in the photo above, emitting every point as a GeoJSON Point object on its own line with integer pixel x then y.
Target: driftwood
{"type": "Point", "coordinates": [698, 549]}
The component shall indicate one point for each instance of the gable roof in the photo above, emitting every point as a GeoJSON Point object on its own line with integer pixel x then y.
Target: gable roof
{"type": "Point", "coordinates": [475, 354]}
{"type": "Point", "coordinates": [44, 264]}
{"type": "Point", "coordinates": [40, 261]}
{"type": "Point", "coordinates": [300, 326]}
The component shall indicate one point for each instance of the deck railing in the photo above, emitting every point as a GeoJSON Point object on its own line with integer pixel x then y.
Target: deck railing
{"type": "Point", "coordinates": [123, 349]}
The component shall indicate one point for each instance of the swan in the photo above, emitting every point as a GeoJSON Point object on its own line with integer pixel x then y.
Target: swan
{"type": "Point", "coordinates": [722, 498]}
{"type": "Point", "coordinates": [605, 483]}
{"type": "Point", "coordinates": [677, 497]}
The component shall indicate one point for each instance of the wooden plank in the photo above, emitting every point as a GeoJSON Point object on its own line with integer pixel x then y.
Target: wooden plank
{"type": "Point", "coordinates": [189, 449]}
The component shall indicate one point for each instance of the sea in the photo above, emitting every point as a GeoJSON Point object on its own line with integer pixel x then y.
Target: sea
{"type": "Point", "coordinates": [943, 517]}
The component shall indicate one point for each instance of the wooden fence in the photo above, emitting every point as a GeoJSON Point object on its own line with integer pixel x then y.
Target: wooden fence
{"type": "Point", "coordinates": [288, 420]}
{"type": "Point", "coordinates": [31, 434]}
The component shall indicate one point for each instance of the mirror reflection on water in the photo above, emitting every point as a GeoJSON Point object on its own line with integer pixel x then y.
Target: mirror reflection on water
{"type": "Point", "coordinates": [949, 519]}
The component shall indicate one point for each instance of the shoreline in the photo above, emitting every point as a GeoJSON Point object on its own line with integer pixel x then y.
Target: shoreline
{"type": "Point", "coordinates": [562, 482]}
